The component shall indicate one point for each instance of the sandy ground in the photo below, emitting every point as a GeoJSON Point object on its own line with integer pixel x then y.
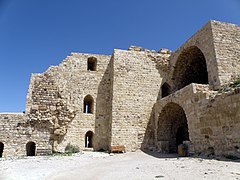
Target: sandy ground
{"type": "Point", "coordinates": [95, 165]}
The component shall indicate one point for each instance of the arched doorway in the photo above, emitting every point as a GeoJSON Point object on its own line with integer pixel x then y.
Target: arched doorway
{"type": "Point", "coordinates": [1, 149]}
{"type": "Point", "coordinates": [31, 148]}
{"type": "Point", "coordinates": [89, 139]}
{"type": "Point", "coordinates": [172, 126]}
{"type": "Point", "coordinates": [166, 90]}
{"type": "Point", "coordinates": [190, 68]}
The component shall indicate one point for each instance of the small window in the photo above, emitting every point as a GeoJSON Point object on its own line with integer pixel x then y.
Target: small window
{"type": "Point", "coordinates": [166, 90]}
{"type": "Point", "coordinates": [92, 64]}
{"type": "Point", "coordinates": [88, 104]}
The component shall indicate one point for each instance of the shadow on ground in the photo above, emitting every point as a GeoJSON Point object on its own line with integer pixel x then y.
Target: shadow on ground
{"type": "Point", "coordinates": [160, 155]}
{"type": "Point", "coordinates": [174, 155]}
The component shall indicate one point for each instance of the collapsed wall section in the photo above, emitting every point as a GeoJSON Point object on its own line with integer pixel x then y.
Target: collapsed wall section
{"type": "Point", "coordinates": [48, 109]}
{"type": "Point", "coordinates": [136, 86]}
{"type": "Point", "coordinates": [82, 85]}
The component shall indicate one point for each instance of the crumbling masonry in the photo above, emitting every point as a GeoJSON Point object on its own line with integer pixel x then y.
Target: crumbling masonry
{"type": "Point", "coordinates": [136, 98]}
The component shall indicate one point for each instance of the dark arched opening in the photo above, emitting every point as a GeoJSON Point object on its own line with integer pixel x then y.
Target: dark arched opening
{"type": "Point", "coordinates": [31, 149]}
{"type": "Point", "coordinates": [172, 127]}
{"type": "Point", "coordinates": [88, 104]}
{"type": "Point", "coordinates": [1, 149]}
{"type": "Point", "coordinates": [190, 68]}
{"type": "Point", "coordinates": [92, 64]}
{"type": "Point", "coordinates": [166, 90]}
{"type": "Point", "coordinates": [89, 139]}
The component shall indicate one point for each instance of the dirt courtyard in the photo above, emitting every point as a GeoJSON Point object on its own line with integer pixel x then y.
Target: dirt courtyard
{"type": "Point", "coordinates": [96, 165]}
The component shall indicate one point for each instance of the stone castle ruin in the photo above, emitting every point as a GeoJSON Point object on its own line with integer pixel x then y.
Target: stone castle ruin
{"type": "Point", "coordinates": [139, 99]}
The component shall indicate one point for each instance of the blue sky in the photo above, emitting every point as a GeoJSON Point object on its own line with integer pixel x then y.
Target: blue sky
{"type": "Point", "coordinates": [35, 34]}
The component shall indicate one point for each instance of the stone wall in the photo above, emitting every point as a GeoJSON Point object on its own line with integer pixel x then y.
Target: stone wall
{"type": "Point", "coordinates": [16, 132]}
{"type": "Point", "coordinates": [116, 83]}
{"type": "Point", "coordinates": [218, 123]}
{"type": "Point", "coordinates": [49, 109]}
{"type": "Point", "coordinates": [136, 86]}
{"type": "Point", "coordinates": [226, 39]}
{"type": "Point", "coordinates": [72, 83]}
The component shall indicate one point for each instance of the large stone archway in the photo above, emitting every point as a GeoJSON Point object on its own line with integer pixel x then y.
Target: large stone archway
{"type": "Point", "coordinates": [172, 128]}
{"type": "Point", "coordinates": [190, 68]}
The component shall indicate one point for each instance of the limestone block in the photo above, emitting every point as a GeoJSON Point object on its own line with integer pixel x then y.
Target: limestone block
{"type": "Point", "coordinates": [34, 107]}
{"type": "Point", "coordinates": [135, 48]}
